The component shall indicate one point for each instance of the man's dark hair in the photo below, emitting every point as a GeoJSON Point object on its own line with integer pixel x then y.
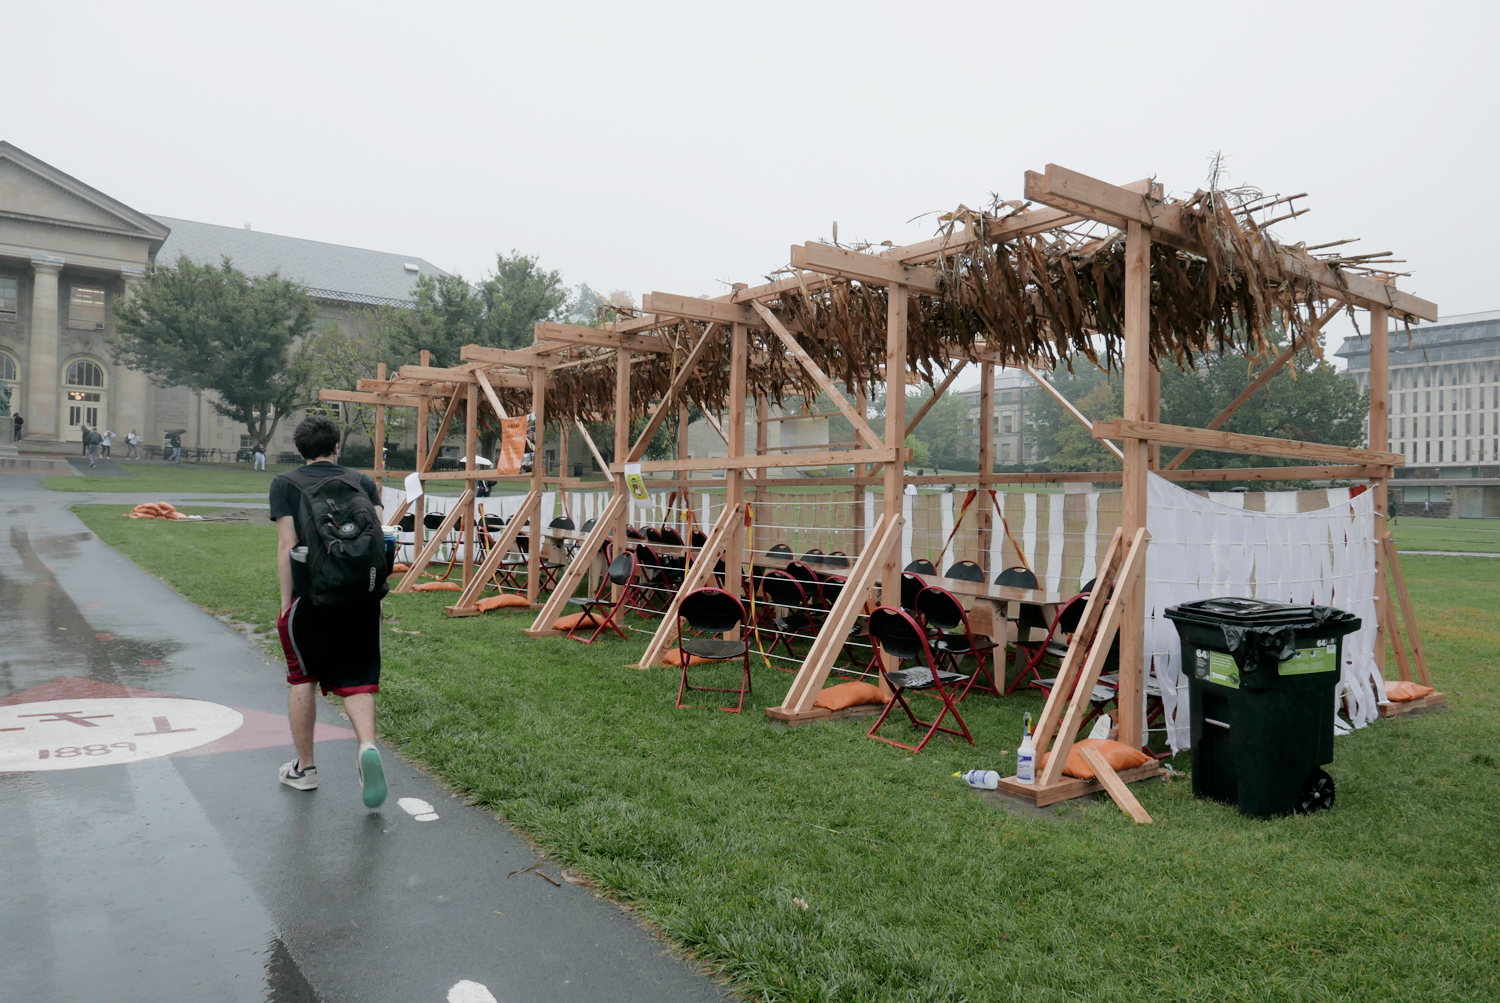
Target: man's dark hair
{"type": "Point", "coordinates": [316, 436]}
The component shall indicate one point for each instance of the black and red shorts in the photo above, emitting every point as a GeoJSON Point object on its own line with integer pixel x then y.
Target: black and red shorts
{"type": "Point", "coordinates": [339, 649]}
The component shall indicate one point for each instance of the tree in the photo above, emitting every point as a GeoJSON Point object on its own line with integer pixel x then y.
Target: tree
{"type": "Point", "coordinates": [516, 297]}
{"type": "Point", "coordinates": [335, 359]}
{"type": "Point", "coordinates": [212, 327]}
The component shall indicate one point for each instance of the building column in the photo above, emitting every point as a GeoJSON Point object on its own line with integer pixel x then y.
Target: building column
{"type": "Point", "coordinates": [132, 388]}
{"type": "Point", "coordinates": [41, 365]}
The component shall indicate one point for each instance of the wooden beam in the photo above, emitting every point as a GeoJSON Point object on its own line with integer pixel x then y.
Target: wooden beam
{"type": "Point", "coordinates": [427, 379]}
{"type": "Point", "coordinates": [1114, 618]}
{"type": "Point", "coordinates": [697, 576]}
{"type": "Point", "coordinates": [832, 458]}
{"type": "Point", "coordinates": [471, 465]}
{"type": "Point", "coordinates": [1074, 192]}
{"type": "Point", "coordinates": [574, 334]}
{"type": "Point", "coordinates": [355, 397]}
{"type": "Point", "coordinates": [689, 366]}
{"type": "Point", "coordinates": [489, 393]}
{"type": "Point", "coordinates": [588, 440]}
{"type": "Point", "coordinates": [578, 566]}
{"type": "Point", "coordinates": [861, 426]}
{"type": "Point", "coordinates": [690, 307]}
{"type": "Point", "coordinates": [1067, 406]}
{"type": "Point", "coordinates": [829, 260]}
{"type": "Point", "coordinates": [937, 391]}
{"type": "Point", "coordinates": [1136, 387]}
{"type": "Point", "coordinates": [1236, 442]}
{"type": "Point", "coordinates": [1262, 378]}
{"type": "Point", "coordinates": [498, 549]}
{"type": "Point", "coordinates": [534, 555]}
{"type": "Point", "coordinates": [1321, 473]}
{"type": "Point", "coordinates": [501, 356]}
{"type": "Point", "coordinates": [420, 561]}
{"type": "Point", "coordinates": [1413, 632]}
{"type": "Point", "coordinates": [1118, 792]}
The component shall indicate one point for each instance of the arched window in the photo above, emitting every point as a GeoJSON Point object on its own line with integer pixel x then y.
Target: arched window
{"type": "Point", "coordinates": [84, 373]}
{"type": "Point", "coordinates": [8, 370]}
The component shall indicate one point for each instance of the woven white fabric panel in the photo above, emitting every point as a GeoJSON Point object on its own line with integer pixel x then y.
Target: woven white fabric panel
{"type": "Point", "coordinates": [1056, 505]}
{"type": "Point", "coordinates": [1202, 549]}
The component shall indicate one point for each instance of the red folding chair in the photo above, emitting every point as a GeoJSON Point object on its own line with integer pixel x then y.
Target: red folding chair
{"type": "Point", "coordinates": [712, 611]}
{"type": "Point", "coordinates": [898, 635]}
{"type": "Point", "coordinates": [939, 608]}
{"type": "Point", "coordinates": [622, 573]}
{"type": "Point", "coordinates": [800, 619]}
{"type": "Point", "coordinates": [1051, 650]}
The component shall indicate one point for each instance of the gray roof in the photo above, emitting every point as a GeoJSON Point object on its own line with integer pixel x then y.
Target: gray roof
{"type": "Point", "coordinates": [329, 271]}
{"type": "Point", "coordinates": [1451, 339]}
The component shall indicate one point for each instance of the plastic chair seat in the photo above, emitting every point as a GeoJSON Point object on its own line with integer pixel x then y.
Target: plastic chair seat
{"type": "Point", "coordinates": [708, 647]}
{"type": "Point", "coordinates": [919, 677]}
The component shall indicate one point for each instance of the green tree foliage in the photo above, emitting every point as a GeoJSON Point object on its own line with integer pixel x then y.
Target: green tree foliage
{"type": "Point", "coordinates": [212, 327]}
{"type": "Point", "coordinates": [1307, 401]}
{"type": "Point", "coordinates": [500, 312]}
{"type": "Point", "coordinates": [336, 359]}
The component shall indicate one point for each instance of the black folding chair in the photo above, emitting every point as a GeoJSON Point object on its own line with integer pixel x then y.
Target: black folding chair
{"type": "Point", "coordinates": [965, 571]}
{"type": "Point", "coordinates": [781, 589]}
{"type": "Point", "coordinates": [712, 611]}
{"type": "Point", "coordinates": [622, 573]}
{"type": "Point", "coordinates": [941, 609]}
{"type": "Point", "coordinates": [898, 635]}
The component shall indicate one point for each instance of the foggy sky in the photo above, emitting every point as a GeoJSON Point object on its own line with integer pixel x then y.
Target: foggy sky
{"type": "Point", "coordinates": [680, 147]}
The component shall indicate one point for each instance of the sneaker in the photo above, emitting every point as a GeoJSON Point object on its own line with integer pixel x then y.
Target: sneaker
{"type": "Point", "coordinates": [371, 774]}
{"type": "Point", "coordinates": [302, 780]}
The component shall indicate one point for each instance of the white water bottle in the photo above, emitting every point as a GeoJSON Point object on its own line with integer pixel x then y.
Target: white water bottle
{"type": "Point", "coordinates": [985, 780]}
{"type": "Point", "coordinates": [1026, 756]}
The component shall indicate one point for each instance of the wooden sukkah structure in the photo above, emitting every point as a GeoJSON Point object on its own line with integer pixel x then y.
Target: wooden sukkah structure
{"type": "Point", "coordinates": [1115, 275]}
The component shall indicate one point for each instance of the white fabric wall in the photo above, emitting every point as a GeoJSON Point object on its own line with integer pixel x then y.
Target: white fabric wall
{"type": "Point", "coordinates": [1203, 548]}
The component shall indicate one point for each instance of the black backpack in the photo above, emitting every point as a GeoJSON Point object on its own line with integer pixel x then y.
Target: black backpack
{"type": "Point", "coordinates": [346, 562]}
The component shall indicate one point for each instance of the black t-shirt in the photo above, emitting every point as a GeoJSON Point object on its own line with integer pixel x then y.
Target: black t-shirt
{"type": "Point", "coordinates": [286, 497]}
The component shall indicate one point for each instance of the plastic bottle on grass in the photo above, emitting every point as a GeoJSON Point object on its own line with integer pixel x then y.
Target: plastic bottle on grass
{"type": "Point", "coordinates": [1026, 756]}
{"type": "Point", "coordinates": [985, 780]}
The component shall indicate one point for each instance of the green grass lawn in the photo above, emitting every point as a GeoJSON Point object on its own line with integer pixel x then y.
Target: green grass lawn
{"type": "Point", "coordinates": [1472, 535]}
{"type": "Point", "coordinates": [813, 864]}
{"type": "Point", "coordinates": [172, 479]}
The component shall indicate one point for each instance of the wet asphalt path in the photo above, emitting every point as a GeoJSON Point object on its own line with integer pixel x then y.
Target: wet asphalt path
{"type": "Point", "coordinates": [197, 876]}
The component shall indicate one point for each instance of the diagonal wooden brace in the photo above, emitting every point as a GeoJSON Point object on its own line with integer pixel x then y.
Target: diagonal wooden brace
{"type": "Point", "coordinates": [701, 571]}
{"type": "Point", "coordinates": [501, 547]}
{"type": "Point", "coordinates": [579, 565]}
{"type": "Point", "coordinates": [419, 564]}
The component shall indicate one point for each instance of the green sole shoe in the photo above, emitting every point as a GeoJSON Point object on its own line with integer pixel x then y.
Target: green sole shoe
{"type": "Point", "coordinates": [372, 777]}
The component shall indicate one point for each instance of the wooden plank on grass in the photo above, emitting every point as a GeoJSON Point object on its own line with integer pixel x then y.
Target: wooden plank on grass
{"type": "Point", "coordinates": [1118, 792]}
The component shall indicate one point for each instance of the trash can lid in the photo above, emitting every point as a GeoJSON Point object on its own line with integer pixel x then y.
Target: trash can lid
{"type": "Point", "coordinates": [1244, 612]}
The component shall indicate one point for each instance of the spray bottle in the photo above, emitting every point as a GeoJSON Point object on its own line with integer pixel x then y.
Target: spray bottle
{"type": "Point", "coordinates": [1026, 756]}
{"type": "Point", "coordinates": [985, 780]}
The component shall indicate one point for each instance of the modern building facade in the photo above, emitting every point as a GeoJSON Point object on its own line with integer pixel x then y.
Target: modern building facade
{"type": "Point", "coordinates": [1445, 413]}
{"type": "Point", "coordinates": [68, 255]}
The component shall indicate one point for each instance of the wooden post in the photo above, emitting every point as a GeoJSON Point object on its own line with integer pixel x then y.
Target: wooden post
{"type": "Point", "coordinates": [1380, 377]}
{"type": "Point", "coordinates": [1137, 389]}
{"type": "Point", "coordinates": [562, 467]}
{"type": "Point", "coordinates": [857, 509]}
{"type": "Point", "coordinates": [684, 502]}
{"type": "Point", "coordinates": [622, 450]}
{"type": "Point", "coordinates": [1153, 407]}
{"type": "Point", "coordinates": [986, 464]}
{"type": "Point", "coordinates": [762, 438]}
{"type": "Point", "coordinates": [895, 436]}
{"type": "Point", "coordinates": [379, 434]}
{"type": "Point", "coordinates": [734, 478]}
{"type": "Point", "coordinates": [539, 519]}
{"type": "Point", "coordinates": [419, 507]}
{"type": "Point", "coordinates": [471, 446]}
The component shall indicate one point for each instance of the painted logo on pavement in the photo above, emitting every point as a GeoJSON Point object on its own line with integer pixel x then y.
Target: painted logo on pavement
{"type": "Point", "coordinates": [102, 731]}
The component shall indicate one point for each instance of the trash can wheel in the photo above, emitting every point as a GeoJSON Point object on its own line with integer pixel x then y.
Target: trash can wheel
{"type": "Point", "coordinates": [1317, 792]}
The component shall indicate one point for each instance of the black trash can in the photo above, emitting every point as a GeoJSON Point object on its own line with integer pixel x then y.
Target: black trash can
{"type": "Point", "coordinates": [1261, 677]}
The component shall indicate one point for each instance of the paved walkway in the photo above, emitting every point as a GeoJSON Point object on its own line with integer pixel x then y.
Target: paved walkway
{"type": "Point", "coordinates": [1449, 553]}
{"type": "Point", "coordinates": [170, 864]}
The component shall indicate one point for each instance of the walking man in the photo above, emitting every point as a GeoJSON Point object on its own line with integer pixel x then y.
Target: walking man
{"type": "Point", "coordinates": [259, 454]}
{"type": "Point", "coordinates": [175, 441]}
{"type": "Point", "coordinates": [131, 442]}
{"type": "Point", "coordinates": [330, 598]}
{"type": "Point", "coordinates": [19, 425]}
{"type": "Point", "coordinates": [91, 441]}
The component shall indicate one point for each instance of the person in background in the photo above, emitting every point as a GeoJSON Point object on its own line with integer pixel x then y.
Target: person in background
{"type": "Point", "coordinates": [108, 440]}
{"type": "Point", "coordinates": [20, 424]}
{"type": "Point", "coordinates": [259, 455]}
{"type": "Point", "coordinates": [175, 441]}
{"type": "Point", "coordinates": [131, 442]}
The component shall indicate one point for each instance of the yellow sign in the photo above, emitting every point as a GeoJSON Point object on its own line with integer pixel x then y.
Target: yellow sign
{"type": "Point", "coordinates": [635, 482]}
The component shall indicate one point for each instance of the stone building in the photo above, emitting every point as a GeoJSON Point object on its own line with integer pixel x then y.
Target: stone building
{"type": "Point", "coordinates": [69, 252]}
{"type": "Point", "coordinates": [1445, 413]}
{"type": "Point", "coordinates": [1010, 415]}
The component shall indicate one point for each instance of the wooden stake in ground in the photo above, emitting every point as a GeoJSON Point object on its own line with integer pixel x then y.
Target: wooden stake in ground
{"type": "Point", "coordinates": [1116, 787]}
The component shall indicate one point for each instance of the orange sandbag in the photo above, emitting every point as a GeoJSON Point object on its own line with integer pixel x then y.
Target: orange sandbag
{"type": "Point", "coordinates": [500, 601]}
{"type": "Point", "coordinates": [574, 620]}
{"type": "Point", "coordinates": [1118, 755]}
{"type": "Point", "coordinates": [438, 587]}
{"type": "Point", "coordinates": [155, 510]}
{"type": "Point", "coordinates": [397, 569]}
{"type": "Point", "coordinates": [851, 694]}
{"type": "Point", "coordinates": [1400, 691]}
{"type": "Point", "coordinates": [674, 657]}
